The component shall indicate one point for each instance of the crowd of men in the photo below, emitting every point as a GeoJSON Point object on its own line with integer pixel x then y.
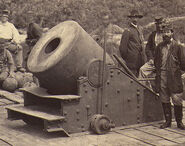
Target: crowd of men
{"type": "Point", "coordinates": [162, 58]}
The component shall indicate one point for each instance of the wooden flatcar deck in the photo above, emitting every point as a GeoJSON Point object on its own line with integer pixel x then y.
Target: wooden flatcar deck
{"type": "Point", "coordinates": [17, 133]}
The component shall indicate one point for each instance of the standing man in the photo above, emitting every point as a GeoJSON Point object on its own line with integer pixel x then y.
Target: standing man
{"type": "Point", "coordinates": [106, 35]}
{"type": "Point", "coordinates": [11, 38]}
{"type": "Point", "coordinates": [169, 61]}
{"type": "Point", "coordinates": [131, 45]}
{"type": "Point", "coordinates": [147, 70]}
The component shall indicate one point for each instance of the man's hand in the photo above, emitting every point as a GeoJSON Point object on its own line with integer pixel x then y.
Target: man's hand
{"type": "Point", "coordinates": [19, 46]}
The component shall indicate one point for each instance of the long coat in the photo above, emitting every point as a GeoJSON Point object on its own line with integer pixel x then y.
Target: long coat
{"type": "Point", "coordinates": [174, 64]}
{"type": "Point", "coordinates": [131, 48]}
{"type": "Point", "coordinates": [151, 46]}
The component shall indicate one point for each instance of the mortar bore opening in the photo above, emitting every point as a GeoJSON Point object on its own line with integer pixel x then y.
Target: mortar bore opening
{"type": "Point", "coordinates": [52, 45]}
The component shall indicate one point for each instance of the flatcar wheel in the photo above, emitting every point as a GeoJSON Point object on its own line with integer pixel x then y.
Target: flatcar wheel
{"type": "Point", "coordinates": [100, 124]}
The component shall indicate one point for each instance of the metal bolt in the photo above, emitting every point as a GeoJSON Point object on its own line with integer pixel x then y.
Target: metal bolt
{"type": "Point", "coordinates": [138, 106]}
{"type": "Point", "coordinates": [118, 91]}
{"type": "Point", "coordinates": [108, 82]}
{"type": "Point", "coordinates": [138, 93]}
{"type": "Point", "coordinates": [77, 111]}
{"type": "Point", "coordinates": [131, 81]}
{"type": "Point", "coordinates": [138, 121]}
{"type": "Point", "coordinates": [78, 119]}
{"type": "Point", "coordinates": [111, 75]}
{"type": "Point", "coordinates": [106, 104]}
{"type": "Point", "coordinates": [85, 91]}
{"type": "Point", "coordinates": [87, 106]}
{"type": "Point", "coordinates": [111, 71]}
{"type": "Point", "coordinates": [92, 89]}
{"type": "Point", "coordinates": [82, 126]}
{"type": "Point", "coordinates": [84, 85]}
{"type": "Point", "coordinates": [128, 99]}
{"type": "Point", "coordinates": [65, 113]}
{"type": "Point", "coordinates": [118, 72]}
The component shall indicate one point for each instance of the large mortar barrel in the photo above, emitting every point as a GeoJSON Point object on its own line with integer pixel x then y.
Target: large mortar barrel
{"type": "Point", "coordinates": [62, 55]}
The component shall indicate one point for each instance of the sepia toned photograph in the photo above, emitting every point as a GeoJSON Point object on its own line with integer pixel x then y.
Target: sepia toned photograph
{"type": "Point", "coordinates": [92, 72]}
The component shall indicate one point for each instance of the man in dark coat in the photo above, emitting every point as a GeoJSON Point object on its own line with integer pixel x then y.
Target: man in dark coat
{"type": "Point", "coordinates": [169, 61]}
{"type": "Point", "coordinates": [34, 32]}
{"type": "Point", "coordinates": [148, 69]}
{"type": "Point", "coordinates": [131, 45]}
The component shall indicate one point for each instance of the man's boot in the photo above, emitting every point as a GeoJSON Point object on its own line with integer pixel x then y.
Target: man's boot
{"type": "Point", "coordinates": [178, 116]}
{"type": "Point", "coordinates": [167, 114]}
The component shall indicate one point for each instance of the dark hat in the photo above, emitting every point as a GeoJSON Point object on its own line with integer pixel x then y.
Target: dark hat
{"type": "Point", "coordinates": [5, 13]}
{"type": "Point", "coordinates": [67, 11]}
{"type": "Point", "coordinates": [159, 20]}
{"type": "Point", "coordinates": [135, 13]}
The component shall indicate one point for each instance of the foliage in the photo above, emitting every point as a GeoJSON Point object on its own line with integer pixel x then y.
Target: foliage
{"type": "Point", "coordinates": [88, 12]}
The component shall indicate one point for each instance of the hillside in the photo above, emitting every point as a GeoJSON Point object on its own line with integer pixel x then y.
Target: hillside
{"type": "Point", "coordinates": [88, 12]}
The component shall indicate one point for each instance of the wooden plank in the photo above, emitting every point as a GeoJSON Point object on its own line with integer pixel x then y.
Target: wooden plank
{"type": "Point", "coordinates": [165, 134]}
{"type": "Point", "coordinates": [6, 101]}
{"type": "Point", "coordinates": [18, 138]}
{"type": "Point", "coordinates": [173, 128]}
{"type": "Point", "coordinates": [147, 138]}
{"type": "Point", "coordinates": [42, 93]}
{"type": "Point", "coordinates": [19, 134]}
{"type": "Point", "coordinates": [136, 125]}
{"type": "Point", "coordinates": [112, 138]}
{"type": "Point", "coordinates": [11, 96]}
{"type": "Point", "coordinates": [35, 111]}
{"type": "Point", "coordinates": [2, 103]}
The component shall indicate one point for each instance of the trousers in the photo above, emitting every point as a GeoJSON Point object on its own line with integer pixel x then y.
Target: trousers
{"type": "Point", "coordinates": [17, 53]}
{"type": "Point", "coordinates": [165, 94]}
{"type": "Point", "coordinates": [146, 71]}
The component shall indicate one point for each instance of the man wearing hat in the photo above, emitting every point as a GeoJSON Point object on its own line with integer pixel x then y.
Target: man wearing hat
{"type": "Point", "coordinates": [169, 60]}
{"type": "Point", "coordinates": [10, 39]}
{"type": "Point", "coordinates": [131, 45]}
{"type": "Point", "coordinates": [147, 70]}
